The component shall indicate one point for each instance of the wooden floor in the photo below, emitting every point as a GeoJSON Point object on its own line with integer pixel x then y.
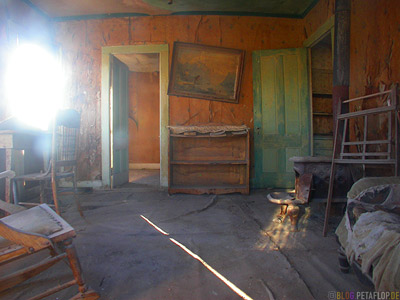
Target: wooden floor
{"type": "Point", "coordinates": [145, 177]}
{"type": "Point", "coordinates": [141, 243]}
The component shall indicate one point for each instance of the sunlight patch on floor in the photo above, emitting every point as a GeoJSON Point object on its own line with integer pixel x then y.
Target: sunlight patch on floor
{"type": "Point", "coordinates": [233, 287]}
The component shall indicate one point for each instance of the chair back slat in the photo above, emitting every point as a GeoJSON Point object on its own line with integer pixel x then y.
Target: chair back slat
{"type": "Point", "coordinates": [66, 133]}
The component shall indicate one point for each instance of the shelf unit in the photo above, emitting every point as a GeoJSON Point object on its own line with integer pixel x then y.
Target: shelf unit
{"type": "Point", "coordinates": [203, 163]}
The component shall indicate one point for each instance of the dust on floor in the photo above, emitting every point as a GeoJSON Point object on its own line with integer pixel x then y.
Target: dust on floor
{"type": "Point", "coordinates": [123, 256]}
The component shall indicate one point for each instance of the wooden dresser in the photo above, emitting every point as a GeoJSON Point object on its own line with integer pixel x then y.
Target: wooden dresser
{"type": "Point", "coordinates": [209, 159]}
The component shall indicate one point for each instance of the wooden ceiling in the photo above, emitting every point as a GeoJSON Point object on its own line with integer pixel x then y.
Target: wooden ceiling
{"type": "Point", "coordinates": [82, 9]}
{"type": "Point", "coordinates": [140, 62]}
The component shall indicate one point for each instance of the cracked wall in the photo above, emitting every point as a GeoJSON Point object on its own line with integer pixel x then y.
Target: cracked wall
{"type": "Point", "coordinates": [82, 41]}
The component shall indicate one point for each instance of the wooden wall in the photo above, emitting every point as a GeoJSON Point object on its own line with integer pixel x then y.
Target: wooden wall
{"type": "Point", "coordinates": [375, 53]}
{"type": "Point", "coordinates": [82, 42]}
{"type": "Point", "coordinates": [321, 12]}
{"type": "Point", "coordinates": [374, 44]}
{"type": "Point", "coordinates": [144, 117]}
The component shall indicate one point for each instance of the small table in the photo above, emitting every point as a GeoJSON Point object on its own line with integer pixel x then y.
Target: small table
{"type": "Point", "coordinates": [18, 145]}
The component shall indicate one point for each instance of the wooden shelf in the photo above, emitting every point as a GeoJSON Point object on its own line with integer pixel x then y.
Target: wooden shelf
{"type": "Point", "coordinates": [209, 164]}
{"type": "Point", "coordinates": [323, 136]}
{"type": "Point", "coordinates": [207, 136]}
{"type": "Point", "coordinates": [319, 95]}
{"type": "Point", "coordinates": [206, 162]}
{"type": "Point", "coordinates": [323, 114]}
{"type": "Point", "coordinates": [198, 190]}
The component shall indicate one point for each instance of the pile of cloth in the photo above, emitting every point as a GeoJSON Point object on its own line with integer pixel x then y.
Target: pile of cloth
{"type": "Point", "coordinates": [370, 234]}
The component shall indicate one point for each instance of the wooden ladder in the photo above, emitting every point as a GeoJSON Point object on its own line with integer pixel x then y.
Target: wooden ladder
{"type": "Point", "coordinates": [383, 154]}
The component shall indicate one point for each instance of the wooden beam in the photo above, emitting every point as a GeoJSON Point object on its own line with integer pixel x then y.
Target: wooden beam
{"type": "Point", "coordinates": [320, 33]}
{"type": "Point", "coordinates": [341, 56]}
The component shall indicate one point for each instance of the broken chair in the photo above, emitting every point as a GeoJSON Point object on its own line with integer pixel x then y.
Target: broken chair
{"type": "Point", "coordinates": [290, 202]}
{"type": "Point", "coordinates": [29, 231]}
{"type": "Point", "coordinates": [63, 158]}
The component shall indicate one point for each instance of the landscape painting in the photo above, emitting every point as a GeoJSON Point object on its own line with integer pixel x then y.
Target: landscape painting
{"type": "Point", "coordinates": [206, 72]}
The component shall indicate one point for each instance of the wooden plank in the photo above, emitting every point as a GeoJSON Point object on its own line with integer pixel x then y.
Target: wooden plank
{"type": "Point", "coordinates": [206, 136]}
{"type": "Point", "coordinates": [366, 161]}
{"type": "Point", "coordinates": [364, 153]}
{"type": "Point", "coordinates": [209, 190]}
{"type": "Point", "coordinates": [6, 141]}
{"type": "Point", "coordinates": [15, 278]}
{"type": "Point", "coordinates": [320, 33]}
{"type": "Point", "coordinates": [367, 96]}
{"type": "Point", "coordinates": [10, 208]}
{"type": "Point", "coordinates": [205, 162]}
{"type": "Point", "coordinates": [208, 175]}
{"type": "Point", "coordinates": [203, 149]}
{"type": "Point", "coordinates": [371, 111]}
{"type": "Point", "coordinates": [209, 165]}
{"type": "Point", "coordinates": [281, 114]}
{"type": "Point", "coordinates": [367, 142]}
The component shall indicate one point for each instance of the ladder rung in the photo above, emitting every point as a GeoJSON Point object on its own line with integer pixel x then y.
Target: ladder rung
{"type": "Point", "coordinates": [367, 142]}
{"type": "Point", "coordinates": [366, 154]}
{"type": "Point", "coordinates": [365, 112]}
{"type": "Point", "coordinates": [368, 96]}
{"type": "Point", "coordinates": [365, 161]}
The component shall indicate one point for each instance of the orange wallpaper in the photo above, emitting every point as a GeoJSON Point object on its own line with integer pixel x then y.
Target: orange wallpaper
{"type": "Point", "coordinates": [374, 45]}
{"type": "Point", "coordinates": [321, 12]}
{"type": "Point", "coordinates": [144, 117]}
{"type": "Point", "coordinates": [82, 42]}
{"type": "Point", "coordinates": [375, 39]}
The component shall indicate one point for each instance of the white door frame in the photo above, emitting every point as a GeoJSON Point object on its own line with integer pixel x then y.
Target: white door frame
{"type": "Point", "coordinates": [162, 50]}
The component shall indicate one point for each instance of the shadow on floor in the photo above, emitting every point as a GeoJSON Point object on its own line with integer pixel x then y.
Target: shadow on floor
{"type": "Point", "coordinates": [140, 178]}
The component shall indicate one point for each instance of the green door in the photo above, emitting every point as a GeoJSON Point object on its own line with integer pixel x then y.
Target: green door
{"type": "Point", "coordinates": [281, 115]}
{"type": "Point", "coordinates": [119, 122]}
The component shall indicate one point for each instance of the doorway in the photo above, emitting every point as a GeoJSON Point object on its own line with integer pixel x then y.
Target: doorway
{"type": "Point", "coordinates": [143, 117]}
{"type": "Point", "coordinates": [134, 57]}
{"type": "Point", "coordinates": [322, 82]}
{"type": "Point", "coordinates": [281, 115]}
{"type": "Point", "coordinates": [320, 50]}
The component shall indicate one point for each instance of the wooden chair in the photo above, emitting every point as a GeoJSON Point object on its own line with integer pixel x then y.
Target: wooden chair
{"type": "Point", "coordinates": [63, 158]}
{"type": "Point", "coordinates": [28, 231]}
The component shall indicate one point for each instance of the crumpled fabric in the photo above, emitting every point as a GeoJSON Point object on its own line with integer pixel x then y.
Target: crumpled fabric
{"type": "Point", "coordinates": [373, 234]}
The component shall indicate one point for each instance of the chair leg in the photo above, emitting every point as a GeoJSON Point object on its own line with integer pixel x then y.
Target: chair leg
{"type": "Point", "coordinates": [74, 182]}
{"type": "Point", "coordinates": [293, 212]}
{"type": "Point", "coordinates": [84, 292]}
{"type": "Point", "coordinates": [55, 199]}
{"type": "Point", "coordinates": [78, 204]}
{"type": "Point", "coordinates": [41, 198]}
{"type": "Point", "coordinates": [15, 191]}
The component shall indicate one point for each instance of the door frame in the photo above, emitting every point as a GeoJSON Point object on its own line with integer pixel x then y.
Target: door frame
{"type": "Point", "coordinates": [327, 28]}
{"type": "Point", "coordinates": [163, 51]}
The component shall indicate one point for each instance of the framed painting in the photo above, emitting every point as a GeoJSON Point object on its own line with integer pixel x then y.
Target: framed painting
{"type": "Point", "coordinates": [206, 72]}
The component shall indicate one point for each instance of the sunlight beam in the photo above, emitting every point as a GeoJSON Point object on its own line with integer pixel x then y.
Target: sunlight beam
{"type": "Point", "coordinates": [154, 225]}
{"type": "Point", "coordinates": [233, 287]}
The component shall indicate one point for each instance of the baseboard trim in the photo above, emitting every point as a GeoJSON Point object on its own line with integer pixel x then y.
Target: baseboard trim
{"type": "Point", "coordinates": [148, 166]}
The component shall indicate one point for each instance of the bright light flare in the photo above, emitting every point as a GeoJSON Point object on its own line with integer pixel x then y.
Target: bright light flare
{"type": "Point", "coordinates": [34, 85]}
